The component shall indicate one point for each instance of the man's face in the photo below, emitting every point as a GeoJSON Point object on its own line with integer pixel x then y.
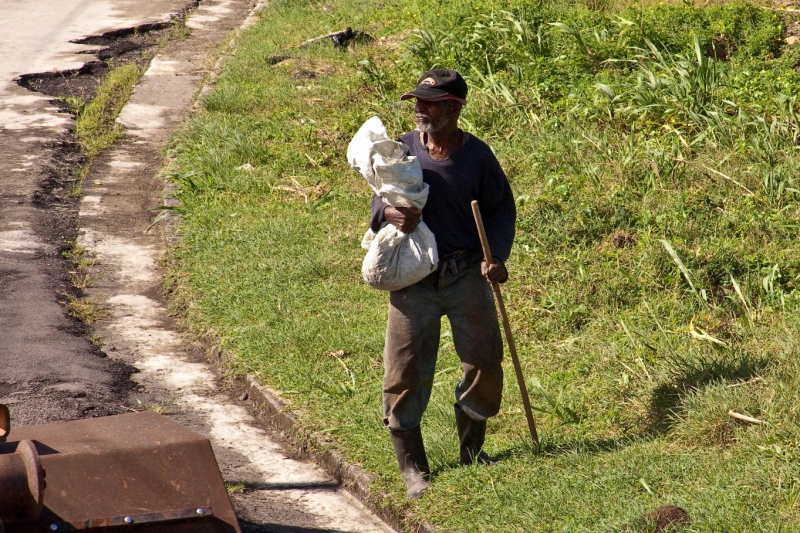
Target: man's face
{"type": "Point", "coordinates": [433, 117]}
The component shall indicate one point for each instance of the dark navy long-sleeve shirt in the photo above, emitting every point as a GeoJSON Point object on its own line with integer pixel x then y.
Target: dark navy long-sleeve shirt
{"type": "Point", "coordinates": [472, 172]}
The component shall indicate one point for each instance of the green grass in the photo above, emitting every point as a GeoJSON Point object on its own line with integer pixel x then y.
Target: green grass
{"type": "Point", "coordinates": [652, 150]}
{"type": "Point", "coordinates": [235, 487]}
{"type": "Point", "coordinates": [96, 126]}
{"type": "Point", "coordinates": [84, 308]}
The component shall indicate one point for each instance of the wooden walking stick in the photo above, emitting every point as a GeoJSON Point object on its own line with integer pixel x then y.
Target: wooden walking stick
{"type": "Point", "coordinates": [526, 401]}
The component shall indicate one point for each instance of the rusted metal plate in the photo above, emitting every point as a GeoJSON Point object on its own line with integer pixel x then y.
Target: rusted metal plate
{"type": "Point", "coordinates": [191, 517]}
{"type": "Point", "coordinates": [123, 466]}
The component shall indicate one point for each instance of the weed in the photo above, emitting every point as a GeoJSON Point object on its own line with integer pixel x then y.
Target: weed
{"type": "Point", "coordinates": [556, 405]}
{"type": "Point", "coordinates": [699, 295]}
{"type": "Point", "coordinates": [161, 408]}
{"type": "Point", "coordinates": [73, 251]}
{"type": "Point", "coordinates": [97, 340]}
{"type": "Point", "coordinates": [75, 104]}
{"type": "Point", "coordinates": [86, 270]}
{"type": "Point", "coordinates": [84, 309]}
{"type": "Point", "coordinates": [86, 274]}
{"type": "Point", "coordinates": [235, 487]}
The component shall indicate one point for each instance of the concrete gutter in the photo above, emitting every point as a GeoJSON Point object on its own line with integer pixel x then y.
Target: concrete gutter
{"type": "Point", "coordinates": [267, 406]}
{"type": "Point", "coordinates": [116, 213]}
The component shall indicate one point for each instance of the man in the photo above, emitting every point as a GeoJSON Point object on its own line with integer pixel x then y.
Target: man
{"type": "Point", "coordinates": [459, 168]}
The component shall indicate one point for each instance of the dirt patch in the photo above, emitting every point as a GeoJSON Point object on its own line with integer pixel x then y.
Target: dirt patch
{"type": "Point", "coordinates": [63, 167]}
{"type": "Point", "coordinates": [619, 239]}
{"type": "Point", "coordinates": [669, 518]}
{"type": "Point", "coordinates": [59, 213]}
{"type": "Point", "coordinates": [36, 402]}
{"type": "Point", "coordinates": [793, 28]}
{"type": "Point", "coordinates": [791, 20]}
{"type": "Point", "coordinates": [7, 276]}
{"type": "Point", "coordinates": [721, 47]}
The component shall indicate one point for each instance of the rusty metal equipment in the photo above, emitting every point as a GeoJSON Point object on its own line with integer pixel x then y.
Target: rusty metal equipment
{"type": "Point", "coordinates": [21, 478]}
{"type": "Point", "coordinates": [137, 471]}
{"type": "Point", "coordinates": [21, 484]}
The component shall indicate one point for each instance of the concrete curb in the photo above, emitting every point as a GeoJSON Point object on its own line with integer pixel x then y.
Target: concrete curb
{"type": "Point", "coordinates": [267, 407]}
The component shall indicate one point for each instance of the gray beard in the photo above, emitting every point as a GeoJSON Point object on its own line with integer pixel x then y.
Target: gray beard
{"type": "Point", "coordinates": [445, 121]}
{"type": "Point", "coordinates": [432, 127]}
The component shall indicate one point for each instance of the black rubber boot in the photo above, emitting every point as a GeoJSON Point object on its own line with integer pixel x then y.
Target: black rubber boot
{"type": "Point", "coordinates": [471, 435]}
{"type": "Point", "coordinates": [413, 462]}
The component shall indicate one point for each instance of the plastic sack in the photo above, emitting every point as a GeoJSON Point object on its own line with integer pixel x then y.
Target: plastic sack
{"type": "Point", "coordinates": [394, 259]}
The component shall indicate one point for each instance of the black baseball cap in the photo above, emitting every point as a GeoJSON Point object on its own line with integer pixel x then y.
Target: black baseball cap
{"type": "Point", "coordinates": [439, 84]}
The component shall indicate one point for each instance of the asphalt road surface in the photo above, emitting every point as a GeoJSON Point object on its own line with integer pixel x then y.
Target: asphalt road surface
{"type": "Point", "coordinates": [49, 370]}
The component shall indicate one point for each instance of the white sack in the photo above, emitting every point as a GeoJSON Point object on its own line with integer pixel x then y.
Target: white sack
{"type": "Point", "coordinates": [393, 176]}
{"type": "Point", "coordinates": [394, 259]}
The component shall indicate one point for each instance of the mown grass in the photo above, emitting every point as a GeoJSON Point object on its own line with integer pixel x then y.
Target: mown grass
{"type": "Point", "coordinates": [652, 150]}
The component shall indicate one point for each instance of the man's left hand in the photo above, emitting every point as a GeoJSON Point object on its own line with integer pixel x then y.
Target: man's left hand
{"type": "Point", "coordinates": [496, 272]}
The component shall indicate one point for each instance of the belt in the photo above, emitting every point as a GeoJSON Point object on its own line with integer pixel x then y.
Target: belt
{"type": "Point", "coordinates": [451, 261]}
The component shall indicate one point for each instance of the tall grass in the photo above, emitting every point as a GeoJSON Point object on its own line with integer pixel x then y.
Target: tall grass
{"type": "Point", "coordinates": [653, 153]}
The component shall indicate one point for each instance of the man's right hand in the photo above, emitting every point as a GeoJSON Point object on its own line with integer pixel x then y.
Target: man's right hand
{"type": "Point", "coordinates": [405, 219]}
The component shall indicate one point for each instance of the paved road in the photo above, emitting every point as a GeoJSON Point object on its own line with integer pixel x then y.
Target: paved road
{"type": "Point", "coordinates": [48, 369]}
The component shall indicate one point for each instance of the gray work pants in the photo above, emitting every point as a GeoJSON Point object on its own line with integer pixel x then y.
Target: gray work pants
{"type": "Point", "coordinates": [459, 291]}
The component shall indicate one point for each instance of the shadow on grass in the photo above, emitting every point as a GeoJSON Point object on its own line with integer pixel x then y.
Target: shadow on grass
{"type": "Point", "coordinates": [690, 374]}
{"type": "Point", "coordinates": [553, 449]}
{"type": "Point", "coordinates": [586, 446]}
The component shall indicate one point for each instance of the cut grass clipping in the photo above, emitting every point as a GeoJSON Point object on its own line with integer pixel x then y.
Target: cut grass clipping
{"type": "Point", "coordinates": [652, 150]}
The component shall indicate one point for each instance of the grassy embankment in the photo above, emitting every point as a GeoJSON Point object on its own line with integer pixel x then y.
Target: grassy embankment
{"type": "Point", "coordinates": [653, 154]}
